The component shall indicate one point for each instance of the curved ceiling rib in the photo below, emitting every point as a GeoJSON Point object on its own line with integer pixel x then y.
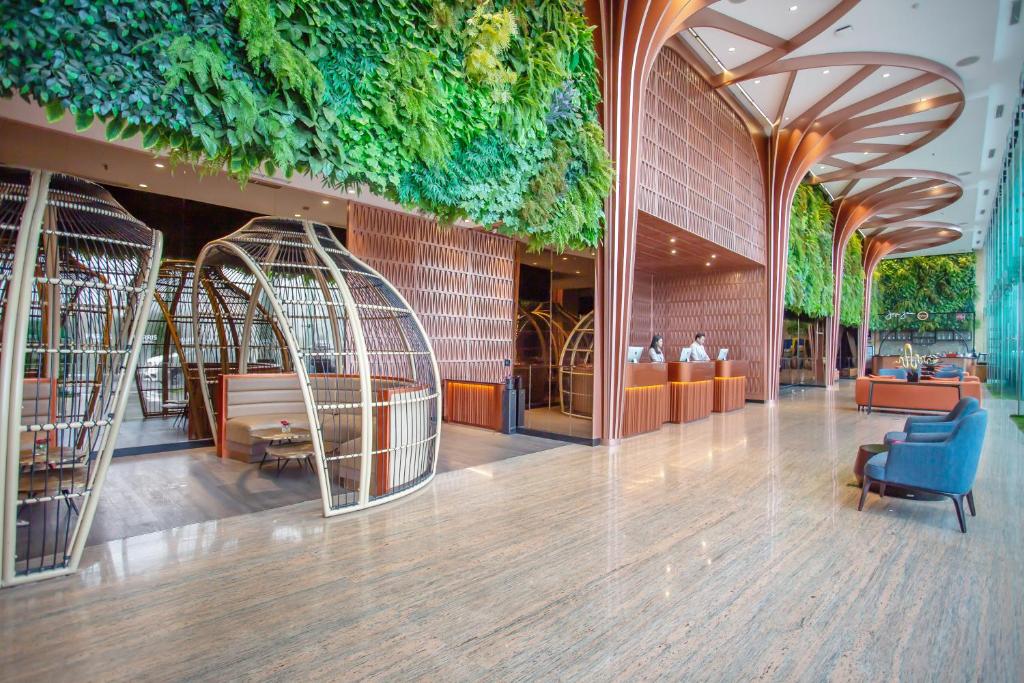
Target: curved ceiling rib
{"type": "Point", "coordinates": [844, 116]}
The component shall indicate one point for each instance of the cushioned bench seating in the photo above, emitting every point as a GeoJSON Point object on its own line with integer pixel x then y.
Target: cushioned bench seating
{"type": "Point", "coordinates": [897, 394]}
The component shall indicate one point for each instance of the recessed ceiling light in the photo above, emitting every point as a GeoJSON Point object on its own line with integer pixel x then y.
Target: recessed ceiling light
{"type": "Point", "coordinates": [867, 152]}
{"type": "Point", "coordinates": [351, 190]}
{"type": "Point", "coordinates": [672, 240]}
{"type": "Point", "coordinates": [793, 8]}
{"type": "Point", "coordinates": [902, 133]}
{"type": "Point", "coordinates": [714, 256]}
{"type": "Point", "coordinates": [673, 251]}
{"type": "Point", "coordinates": [708, 263]}
{"type": "Point", "coordinates": [756, 81]}
{"type": "Point", "coordinates": [143, 185]}
{"type": "Point", "coordinates": [565, 258]}
{"type": "Point", "coordinates": [886, 75]}
{"type": "Point", "coordinates": [732, 49]}
{"type": "Point", "coordinates": [158, 165]}
{"type": "Point", "coordinates": [825, 71]}
{"type": "Point", "coordinates": [298, 215]}
{"type": "Point", "coordinates": [914, 178]}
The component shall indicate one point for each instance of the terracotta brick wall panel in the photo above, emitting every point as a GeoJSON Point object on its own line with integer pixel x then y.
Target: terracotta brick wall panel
{"type": "Point", "coordinates": [460, 282]}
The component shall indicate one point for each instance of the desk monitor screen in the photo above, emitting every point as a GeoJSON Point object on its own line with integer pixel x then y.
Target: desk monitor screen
{"type": "Point", "coordinates": [723, 354]}
{"type": "Point", "coordinates": [634, 353]}
{"type": "Point", "coordinates": [684, 355]}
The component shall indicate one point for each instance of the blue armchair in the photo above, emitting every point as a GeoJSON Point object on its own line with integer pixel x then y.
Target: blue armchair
{"type": "Point", "coordinates": [946, 467]}
{"type": "Point", "coordinates": [933, 427]}
{"type": "Point", "coordinates": [898, 373]}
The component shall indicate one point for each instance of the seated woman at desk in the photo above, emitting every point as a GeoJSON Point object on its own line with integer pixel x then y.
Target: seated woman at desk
{"type": "Point", "coordinates": [656, 352]}
{"type": "Point", "coordinates": [697, 352]}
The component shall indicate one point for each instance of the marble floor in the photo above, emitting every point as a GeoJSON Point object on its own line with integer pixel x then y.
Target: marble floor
{"type": "Point", "coordinates": [728, 549]}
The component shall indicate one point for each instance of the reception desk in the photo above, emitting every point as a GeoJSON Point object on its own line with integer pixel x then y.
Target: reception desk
{"type": "Point", "coordinates": [730, 385]}
{"type": "Point", "coordinates": [691, 391]}
{"type": "Point", "coordinates": [645, 407]}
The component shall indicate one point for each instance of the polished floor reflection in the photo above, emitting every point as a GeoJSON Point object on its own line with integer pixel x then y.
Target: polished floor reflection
{"type": "Point", "coordinates": [728, 549]}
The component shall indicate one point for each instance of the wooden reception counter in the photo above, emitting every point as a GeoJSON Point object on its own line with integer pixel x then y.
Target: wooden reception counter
{"type": "Point", "coordinates": [691, 391]}
{"type": "Point", "coordinates": [645, 407]}
{"type": "Point", "coordinates": [730, 385]}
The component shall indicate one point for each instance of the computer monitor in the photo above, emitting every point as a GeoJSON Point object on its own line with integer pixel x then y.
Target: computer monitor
{"type": "Point", "coordinates": [684, 355]}
{"type": "Point", "coordinates": [723, 354]}
{"type": "Point", "coordinates": [634, 353]}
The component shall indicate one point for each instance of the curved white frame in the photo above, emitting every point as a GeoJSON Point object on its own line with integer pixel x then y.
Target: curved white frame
{"type": "Point", "coordinates": [311, 239]}
{"type": "Point", "coordinates": [38, 209]}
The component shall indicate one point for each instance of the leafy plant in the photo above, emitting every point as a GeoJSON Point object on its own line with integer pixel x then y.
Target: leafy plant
{"type": "Point", "coordinates": [936, 284]}
{"type": "Point", "coordinates": [851, 308]}
{"type": "Point", "coordinates": [809, 278]}
{"type": "Point", "coordinates": [484, 110]}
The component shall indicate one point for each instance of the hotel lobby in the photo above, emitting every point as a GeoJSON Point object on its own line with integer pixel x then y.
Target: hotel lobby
{"type": "Point", "coordinates": [512, 340]}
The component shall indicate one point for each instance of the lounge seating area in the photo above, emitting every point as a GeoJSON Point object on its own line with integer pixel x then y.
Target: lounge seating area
{"type": "Point", "coordinates": [934, 454]}
{"type": "Point", "coordinates": [892, 390]}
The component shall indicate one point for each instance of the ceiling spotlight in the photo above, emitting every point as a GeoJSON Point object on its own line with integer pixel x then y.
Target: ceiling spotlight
{"type": "Point", "coordinates": [673, 251]}
{"type": "Point", "coordinates": [756, 81]}
{"type": "Point", "coordinates": [672, 240]}
{"type": "Point", "coordinates": [867, 152]}
{"type": "Point", "coordinates": [793, 8]}
{"type": "Point", "coordinates": [732, 49]}
{"type": "Point", "coordinates": [902, 133]}
{"type": "Point", "coordinates": [351, 190]}
{"type": "Point", "coordinates": [158, 165]}
{"type": "Point", "coordinates": [886, 75]}
{"type": "Point", "coordinates": [143, 185]}
{"type": "Point", "coordinates": [298, 215]}
{"type": "Point", "coordinates": [708, 263]}
{"type": "Point", "coordinates": [714, 256]}
{"type": "Point", "coordinates": [825, 71]}
{"type": "Point", "coordinates": [914, 178]}
{"type": "Point", "coordinates": [325, 202]}
{"type": "Point", "coordinates": [565, 258]}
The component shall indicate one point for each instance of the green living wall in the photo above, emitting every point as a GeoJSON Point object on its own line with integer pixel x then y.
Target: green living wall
{"type": "Point", "coordinates": [809, 273]}
{"type": "Point", "coordinates": [936, 284]}
{"type": "Point", "coordinates": [851, 309]}
{"type": "Point", "coordinates": [485, 110]}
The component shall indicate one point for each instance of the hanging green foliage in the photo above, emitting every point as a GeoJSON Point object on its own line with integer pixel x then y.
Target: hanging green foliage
{"type": "Point", "coordinates": [483, 109]}
{"type": "Point", "coordinates": [809, 273]}
{"type": "Point", "coordinates": [851, 309]}
{"type": "Point", "coordinates": [935, 284]}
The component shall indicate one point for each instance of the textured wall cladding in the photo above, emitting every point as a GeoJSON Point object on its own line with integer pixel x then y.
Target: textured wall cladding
{"type": "Point", "coordinates": [729, 307]}
{"type": "Point", "coordinates": [698, 167]}
{"type": "Point", "coordinates": [642, 328]}
{"type": "Point", "coordinates": [460, 282]}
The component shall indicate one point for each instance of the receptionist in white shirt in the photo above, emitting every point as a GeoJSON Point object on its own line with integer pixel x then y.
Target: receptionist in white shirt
{"type": "Point", "coordinates": [697, 352]}
{"type": "Point", "coordinates": [656, 352]}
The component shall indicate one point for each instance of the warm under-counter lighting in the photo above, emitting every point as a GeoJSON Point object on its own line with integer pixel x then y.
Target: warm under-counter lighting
{"type": "Point", "coordinates": [577, 272]}
{"type": "Point", "coordinates": [143, 185]}
{"type": "Point", "coordinates": [565, 258]}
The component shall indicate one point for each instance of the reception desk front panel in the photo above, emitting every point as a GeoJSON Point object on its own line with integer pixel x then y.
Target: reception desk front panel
{"type": "Point", "coordinates": [730, 385]}
{"type": "Point", "coordinates": [691, 391]}
{"type": "Point", "coordinates": [646, 402]}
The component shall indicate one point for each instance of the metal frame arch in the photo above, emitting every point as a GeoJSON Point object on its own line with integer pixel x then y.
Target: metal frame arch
{"type": "Point", "coordinates": [76, 251]}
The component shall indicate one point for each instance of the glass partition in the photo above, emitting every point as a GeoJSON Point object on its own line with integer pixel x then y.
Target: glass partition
{"type": "Point", "coordinates": [556, 297]}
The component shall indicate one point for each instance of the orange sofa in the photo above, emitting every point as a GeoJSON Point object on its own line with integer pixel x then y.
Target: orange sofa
{"type": "Point", "coordinates": [929, 394]}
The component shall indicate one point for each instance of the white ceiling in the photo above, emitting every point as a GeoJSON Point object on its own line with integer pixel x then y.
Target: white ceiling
{"type": "Point", "coordinates": [945, 31]}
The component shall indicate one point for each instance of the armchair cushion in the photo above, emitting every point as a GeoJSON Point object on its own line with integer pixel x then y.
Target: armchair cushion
{"type": "Point", "coordinates": [898, 373]}
{"type": "Point", "coordinates": [875, 467]}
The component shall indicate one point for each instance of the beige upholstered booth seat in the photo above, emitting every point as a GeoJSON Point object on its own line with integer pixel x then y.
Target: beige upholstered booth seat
{"type": "Point", "coordinates": [251, 403]}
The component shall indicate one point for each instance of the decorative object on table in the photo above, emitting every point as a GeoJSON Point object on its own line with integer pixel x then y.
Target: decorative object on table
{"type": "Point", "coordinates": [286, 426]}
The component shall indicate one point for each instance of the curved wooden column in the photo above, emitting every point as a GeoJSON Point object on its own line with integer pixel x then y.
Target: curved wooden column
{"type": "Point", "coordinates": [901, 238]}
{"type": "Point", "coordinates": [901, 195]}
{"type": "Point", "coordinates": [629, 35]}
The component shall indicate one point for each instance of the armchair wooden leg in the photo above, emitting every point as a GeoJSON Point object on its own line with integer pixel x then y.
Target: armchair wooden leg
{"type": "Point", "coordinates": [970, 502]}
{"type": "Point", "coordinates": [958, 503]}
{"type": "Point", "coordinates": [865, 487]}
